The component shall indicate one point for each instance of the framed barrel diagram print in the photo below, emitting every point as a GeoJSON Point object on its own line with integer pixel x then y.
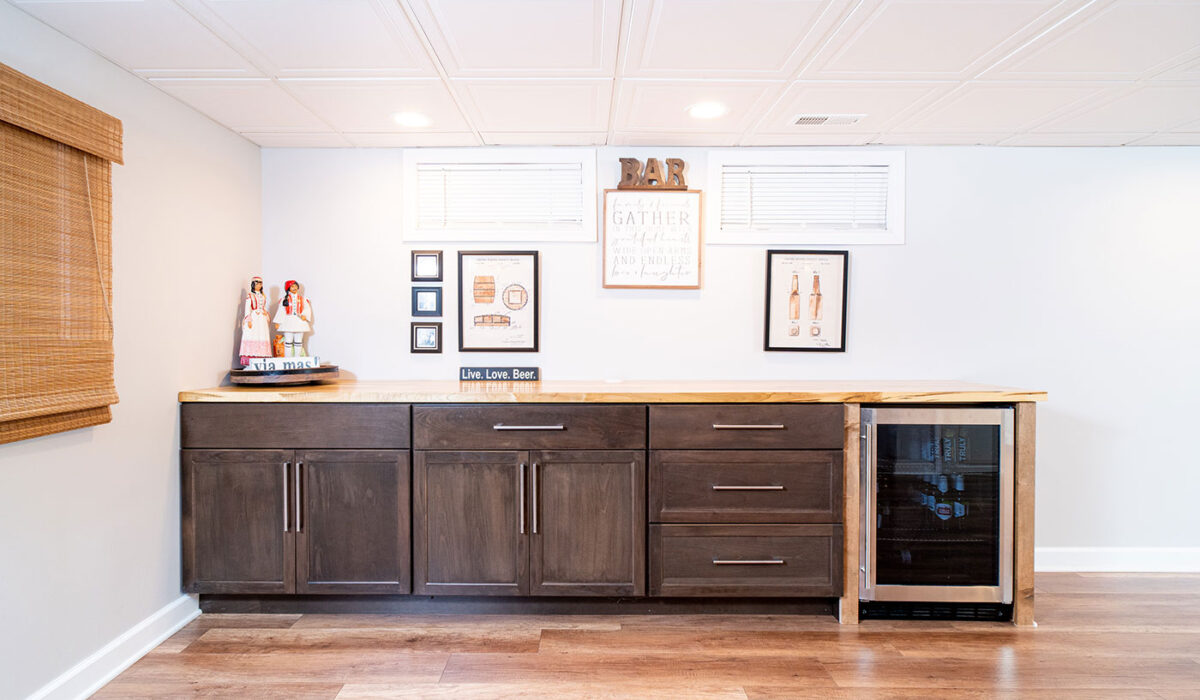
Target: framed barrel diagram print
{"type": "Point", "coordinates": [498, 301]}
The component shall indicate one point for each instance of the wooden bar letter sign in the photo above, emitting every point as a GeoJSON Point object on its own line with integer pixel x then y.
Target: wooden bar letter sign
{"type": "Point", "coordinates": [635, 177]}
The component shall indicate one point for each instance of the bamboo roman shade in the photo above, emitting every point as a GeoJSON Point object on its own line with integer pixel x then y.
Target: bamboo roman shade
{"type": "Point", "coordinates": [56, 327]}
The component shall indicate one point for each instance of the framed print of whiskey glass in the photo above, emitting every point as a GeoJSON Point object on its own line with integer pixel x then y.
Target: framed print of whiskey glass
{"type": "Point", "coordinates": [426, 336]}
{"type": "Point", "coordinates": [427, 266]}
{"type": "Point", "coordinates": [498, 301]}
{"type": "Point", "coordinates": [806, 300]}
{"type": "Point", "coordinates": [426, 301]}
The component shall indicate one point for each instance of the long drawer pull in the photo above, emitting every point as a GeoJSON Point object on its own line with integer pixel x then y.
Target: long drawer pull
{"type": "Point", "coordinates": [719, 487]}
{"type": "Point", "coordinates": [501, 426]}
{"type": "Point", "coordinates": [735, 426]}
{"type": "Point", "coordinates": [751, 562]}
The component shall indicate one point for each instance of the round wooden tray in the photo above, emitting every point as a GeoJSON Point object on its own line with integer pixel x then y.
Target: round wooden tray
{"type": "Point", "coordinates": [324, 373]}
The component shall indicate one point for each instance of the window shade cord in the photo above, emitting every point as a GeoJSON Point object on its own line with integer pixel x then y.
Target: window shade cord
{"type": "Point", "coordinates": [87, 183]}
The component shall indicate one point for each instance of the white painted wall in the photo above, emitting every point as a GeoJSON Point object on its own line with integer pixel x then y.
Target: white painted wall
{"type": "Point", "coordinates": [1070, 269]}
{"type": "Point", "coordinates": [89, 520]}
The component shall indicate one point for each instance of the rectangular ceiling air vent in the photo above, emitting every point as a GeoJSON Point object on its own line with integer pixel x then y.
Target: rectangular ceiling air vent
{"type": "Point", "coordinates": [827, 119]}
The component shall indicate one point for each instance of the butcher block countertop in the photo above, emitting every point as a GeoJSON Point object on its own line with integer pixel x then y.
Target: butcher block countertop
{"type": "Point", "coordinates": [635, 391]}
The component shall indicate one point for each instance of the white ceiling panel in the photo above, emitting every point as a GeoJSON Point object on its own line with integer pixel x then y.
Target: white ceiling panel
{"type": "Point", "coordinates": [1123, 40]}
{"type": "Point", "coordinates": [930, 39]}
{"type": "Point", "coordinates": [661, 106]}
{"type": "Point", "coordinates": [1032, 139]}
{"type": "Point", "coordinates": [552, 38]}
{"type": "Point", "coordinates": [1144, 110]}
{"type": "Point", "coordinates": [882, 103]}
{"type": "Point", "coordinates": [247, 105]}
{"type": "Point", "coordinates": [726, 38]}
{"type": "Point", "coordinates": [910, 139]}
{"type": "Point", "coordinates": [673, 139]}
{"type": "Point", "coordinates": [298, 140]}
{"type": "Point", "coordinates": [1000, 106]}
{"type": "Point", "coordinates": [536, 105]}
{"type": "Point", "coordinates": [808, 139]}
{"type": "Point", "coordinates": [542, 138]}
{"type": "Point", "coordinates": [318, 38]}
{"type": "Point", "coordinates": [1180, 139]}
{"type": "Point", "coordinates": [393, 140]}
{"type": "Point", "coordinates": [367, 105]}
{"type": "Point", "coordinates": [149, 37]}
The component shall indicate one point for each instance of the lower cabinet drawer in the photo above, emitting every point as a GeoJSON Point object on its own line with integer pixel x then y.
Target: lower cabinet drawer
{"type": "Point", "coordinates": [746, 560]}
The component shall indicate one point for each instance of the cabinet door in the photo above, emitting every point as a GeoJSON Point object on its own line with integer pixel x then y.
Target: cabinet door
{"type": "Point", "coordinates": [352, 527]}
{"type": "Point", "coordinates": [235, 522]}
{"type": "Point", "coordinates": [588, 523]}
{"type": "Point", "coordinates": [469, 528]}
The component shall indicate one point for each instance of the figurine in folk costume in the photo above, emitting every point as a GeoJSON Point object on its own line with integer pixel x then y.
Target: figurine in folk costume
{"type": "Point", "coordinates": [256, 324]}
{"type": "Point", "coordinates": [293, 318]}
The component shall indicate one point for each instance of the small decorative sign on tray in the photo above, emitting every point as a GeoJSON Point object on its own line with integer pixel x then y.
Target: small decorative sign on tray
{"type": "Point", "coordinates": [274, 364]}
{"type": "Point", "coordinates": [500, 374]}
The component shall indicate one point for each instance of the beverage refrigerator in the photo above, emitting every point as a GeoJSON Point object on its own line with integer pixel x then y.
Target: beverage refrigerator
{"type": "Point", "coordinates": [937, 504]}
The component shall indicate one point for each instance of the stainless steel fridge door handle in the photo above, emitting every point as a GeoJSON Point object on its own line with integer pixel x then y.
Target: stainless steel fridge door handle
{"type": "Point", "coordinates": [286, 467]}
{"type": "Point", "coordinates": [867, 584]}
{"type": "Point", "coordinates": [521, 499]}
{"type": "Point", "coordinates": [736, 426]}
{"type": "Point", "coordinates": [299, 502]}
{"type": "Point", "coordinates": [772, 487]}
{"type": "Point", "coordinates": [750, 562]}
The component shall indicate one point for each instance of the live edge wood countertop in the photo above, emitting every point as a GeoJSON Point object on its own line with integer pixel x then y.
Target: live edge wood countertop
{"type": "Point", "coordinates": [450, 391]}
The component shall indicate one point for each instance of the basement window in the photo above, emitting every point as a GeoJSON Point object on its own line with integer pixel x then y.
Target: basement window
{"type": "Point", "coordinates": [805, 197]}
{"type": "Point", "coordinates": [500, 195]}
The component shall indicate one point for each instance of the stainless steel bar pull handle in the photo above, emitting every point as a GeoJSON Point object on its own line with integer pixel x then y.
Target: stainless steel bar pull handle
{"type": "Point", "coordinates": [501, 426]}
{"type": "Point", "coordinates": [299, 502]}
{"type": "Point", "coordinates": [286, 467]}
{"type": "Point", "coordinates": [751, 562]}
{"type": "Point", "coordinates": [772, 487]}
{"type": "Point", "coordinates": [535, 498]}
{"type": "Point", "coordinates": [521, 500]}
{"type": "Point", "coordinates": [737, 426]}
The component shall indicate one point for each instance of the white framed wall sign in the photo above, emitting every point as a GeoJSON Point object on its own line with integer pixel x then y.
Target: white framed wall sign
{"type": "Point", "coordinates": [652, 239]}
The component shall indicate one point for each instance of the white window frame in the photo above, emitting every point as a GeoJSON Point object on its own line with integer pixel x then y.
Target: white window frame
{"type": "Point", "coordinates": [585, 157]}
{"type": "Point", "coordinates": [893, 234]}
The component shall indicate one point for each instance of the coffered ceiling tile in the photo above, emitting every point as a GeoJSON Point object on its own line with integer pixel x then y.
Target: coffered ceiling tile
{"type": "Point", "coordinates": [1032, 139]}
{"type": "Point", "coordinates": [512, 38]}
{"type": "Point", "coordinates": [1172, 139]}
{"type": "Point", "coordinates": [249, 105]}
{"type": "Point", "coordinates": [911, 139]}
{"type": "Point", "coordinates": [536, 104]}
{"type": "Point", "coordinates": [1124, 40]}
{"type": "Point", "coordinates": [661, 106]}
{"type": "Point", "coordinates": [880, 103]}
{"type": "Point", "coordinates": [393, 140]}
{"type": "Point", "coordinates": [297, 140]}
{"type": "Point", "coordinates": [809, 139]}
{"type": "Point", "coordinates": [673, 139]}
{"type": "Point", "coordinates": [149, 37]}
{"type": "Point", "coordinates": [726, 38]}
{"type": "Point", "coordinates": [368, 105]}
{"type": "Point", "coordinates": [1188, 69]}
{"type": "Point", "coordinates": [318, 38]}
{"type": "Point", "coordinates": [1000, 106]}
{"type": "Point", "coordinates": [1146, 109]}
{"type": "Point", "coordinates": [544, 138]}
{"type": "Point", "coordinates": [931, 39]}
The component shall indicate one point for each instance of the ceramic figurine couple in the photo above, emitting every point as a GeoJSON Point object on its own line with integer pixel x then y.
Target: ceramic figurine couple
{"type": "Point", "coordinates": [292, 319]}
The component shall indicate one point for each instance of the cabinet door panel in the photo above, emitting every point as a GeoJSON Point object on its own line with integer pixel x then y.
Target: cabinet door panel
{"type": "Point", "coordinates": [235, 522]}
{"type": "Point", "coordinates": [353, 534]}
{"type": "Point", "coordinates": [588, 523]}
{"type": "Point", "coordinates": [467, 526]}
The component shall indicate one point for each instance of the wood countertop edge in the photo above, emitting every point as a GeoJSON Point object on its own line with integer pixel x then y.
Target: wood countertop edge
{"type": "Point", "coordinates": [491, 394]}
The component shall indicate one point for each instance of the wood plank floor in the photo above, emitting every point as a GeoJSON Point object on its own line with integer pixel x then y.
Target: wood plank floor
{"type": "Point", "coordinates": [1104, 636]}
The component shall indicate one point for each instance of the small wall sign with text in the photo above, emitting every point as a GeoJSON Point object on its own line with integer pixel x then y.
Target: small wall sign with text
{"type": "Point", "coordinates": [500, 374]}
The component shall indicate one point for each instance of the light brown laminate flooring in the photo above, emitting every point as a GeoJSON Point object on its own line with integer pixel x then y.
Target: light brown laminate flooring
{"type": "Point", "coordinates": [1118, 636]}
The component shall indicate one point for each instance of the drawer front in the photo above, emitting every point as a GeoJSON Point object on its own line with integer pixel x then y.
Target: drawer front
{"type": "Point", "coordinates": [295, 425]}
{"type": "Point", "coordinates": [746, 560]}
{"type": "Point", "coordinates": [493, 427]}
{"type": "Point", "coordinates": [746, 486]}
{"type": "Point", "coordinates": [747, 426]}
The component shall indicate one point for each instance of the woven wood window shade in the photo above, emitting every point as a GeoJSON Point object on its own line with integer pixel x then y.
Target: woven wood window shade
{"type": "Point", "coordinates": [56, 328]}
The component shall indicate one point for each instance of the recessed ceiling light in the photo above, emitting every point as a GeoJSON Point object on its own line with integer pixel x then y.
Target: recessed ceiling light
{"type": "Point", "coordinates": [414, 120]}
{"type": "Point", "coordinates": [708, 110]}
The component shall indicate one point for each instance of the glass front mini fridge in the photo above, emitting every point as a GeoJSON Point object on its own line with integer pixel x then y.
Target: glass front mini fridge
{"type": "Point", "coordinates": [937, 503]}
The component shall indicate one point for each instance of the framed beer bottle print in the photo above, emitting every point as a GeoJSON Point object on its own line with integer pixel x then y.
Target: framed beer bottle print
{"type": "Point", "coordinates": [806, 300]}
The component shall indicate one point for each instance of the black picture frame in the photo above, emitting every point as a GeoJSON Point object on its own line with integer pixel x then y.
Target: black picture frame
{"type": "Point", "coordinates": [437, 330]}
{"type": "Point", "coordinates": [417, 292]}
{"type": "Point", "coordinates": [427, 278]}
{"type": "Point", "coordinates": [845, 286]}
{"type": "Point", "coordinates": [535, 295]}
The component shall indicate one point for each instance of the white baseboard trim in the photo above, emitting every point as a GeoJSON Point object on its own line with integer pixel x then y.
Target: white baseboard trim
{"type": "Point", "coordinates": [1118, 559]}
{"type": "Point", "coordinates": [86, 677]}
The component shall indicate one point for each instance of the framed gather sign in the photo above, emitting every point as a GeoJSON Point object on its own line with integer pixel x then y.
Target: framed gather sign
{"type": "Point", "coordinates": [652, 239]}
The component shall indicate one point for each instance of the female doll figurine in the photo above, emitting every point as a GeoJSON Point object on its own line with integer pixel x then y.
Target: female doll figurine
{"type": "Point", "coordinates": [256, 324]}
{"type": "Point", "coordinates": [292, 318]}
